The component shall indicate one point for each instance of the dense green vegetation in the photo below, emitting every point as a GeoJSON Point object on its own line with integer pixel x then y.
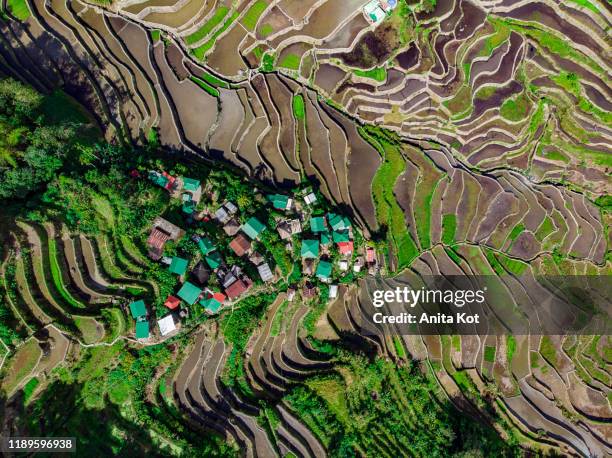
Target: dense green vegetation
{"type": "Point", "coordinates": [204, 85]}
{"type": "Point", "coordinates": [368, 403]}
{"type": "Point", "coordinates": [201, 50]}
{"type": "Point", "coordinates": [34, 147]}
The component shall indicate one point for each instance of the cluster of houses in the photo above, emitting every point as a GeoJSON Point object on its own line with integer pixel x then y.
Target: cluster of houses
{"type": "Point", "coordinates": [316, 250]}
{"type": "Point", "coordinates": [375, 10]}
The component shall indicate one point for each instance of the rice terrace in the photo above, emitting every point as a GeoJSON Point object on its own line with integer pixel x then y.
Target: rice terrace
{"type": "Point", "coordinates": [205, 206]}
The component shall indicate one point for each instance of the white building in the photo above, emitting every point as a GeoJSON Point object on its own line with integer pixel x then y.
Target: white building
{"type": "Point", "coordinates": [264, 272]}
{"type": "Point", "coordinates": [333, 291]}
{"type": "Point", "coordinates": [166, 325]}
{"type": "Point", "coordinates": [310, 199]}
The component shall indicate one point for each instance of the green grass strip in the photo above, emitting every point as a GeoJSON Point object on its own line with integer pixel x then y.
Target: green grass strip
{"type": "Point", "coordinates": [204, 85]}
{"type": "Point", "coordinates": [377, 73]}
{"type": "Point", "coordinates": [213, 22]}
{"type": "Point", "coordinates": [56, 275]}
{"type": "Point", "coordinates": [449, 227]}
{"type": "Point", "coordinates": [298, 106]}
{"type": "Point", "coordinates": [249, 21]}
{"type": "Point", "coordinates": [201, 51]}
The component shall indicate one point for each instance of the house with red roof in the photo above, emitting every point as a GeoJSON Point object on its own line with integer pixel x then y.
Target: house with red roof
{"type": "Point", "coordinates": [239, 287]}
{"type": "Point", "coordinates": [345, 248]}
{"type": "Point", "coordinates": [172, 302]}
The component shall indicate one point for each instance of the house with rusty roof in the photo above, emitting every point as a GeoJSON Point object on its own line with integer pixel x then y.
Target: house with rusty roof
{"type": "Point", "coordinates": [161, 232]}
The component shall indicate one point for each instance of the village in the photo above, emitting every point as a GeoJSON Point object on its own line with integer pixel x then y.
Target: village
{"type": "Point", "coordinates": [238, 253]}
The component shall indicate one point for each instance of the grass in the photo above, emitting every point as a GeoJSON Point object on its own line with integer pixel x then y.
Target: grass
{"type": "Point", "coordinates": [502, 33]}
{"type": "Point", "coordinates": [56, 275]}
{"type": "Point", "coordinates": [333, 391]}
{"type": "Point", "coordinates": [88, 328]}
{"type": "Point", "coordinates": [298, 107]}
{"type": "Point", "coordinates": [453, 255]}
{"type": "Point", "coordinates": [19, 9]}
{"type": "Point", "coordinates": [155, 35]}
{"type": "Point", "coordinates": [548, 350]}
{"type": "Point", "coordinates": [20, 365]}
{"type": "Point", "coordinates": [516, 231]}
{"type": "Point", "coordinates": [376, 73]}
{"type": "Point", "coordinates": [201, 51]}
{"type": "Point", "coordinates": [449, 227]}
{"type": "Point", "coordinates": [266, 30]}
{"type": "Point", "coordinates": [461, 102]}
{"type": "Point", "coordinates": [204, 85]}
{"type": "Point", "coordinates": [515, 109]}
{"type": "Point", "coordinates": [586, 4]}
{"type": "Point", "coordinates": [513, 266]}
{"type": "Point", "coordinates": [290, 61]}
{"type": "Point", "coordinates": [213, 80]}
{"type": "Point", "coordinates": [208, 26]}
{"type": "Point", "coordinates": [29, 388]}
{"type": "Point", "coordinates": [555, 155]}
{"type": "Point", "coordinates": [249, 21]}
{"type": "Point", "coordinates": [489, 354]}
{"type": "Point", "coordinates": [510, 348]}
{"type": "Point", "coordinates": [277, 321]}
{"type": "Point", "coordinates": [399, 347]}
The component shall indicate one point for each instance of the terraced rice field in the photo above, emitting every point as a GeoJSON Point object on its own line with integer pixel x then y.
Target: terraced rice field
{"type": "Point", "coordinates": [469, 139]}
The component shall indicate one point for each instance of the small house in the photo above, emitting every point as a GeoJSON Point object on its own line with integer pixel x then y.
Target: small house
{"type": "Point", "coordinates": [253, 228]}
{"type": "Point", "coordinates": [213, 259]}
{"type": "Point", "coordinates": [232, 227]}
{"type": "Point", "coordinates": [256, 258]}
{"type": "Point", "coordinates": [343, 265]}
{"type": "Point", "coordinates": [161, 232]}
{"type": "Point", "coordinates": [284, 230]}
{"type": "Point", "coordinates": [333, 291]}
{"type": "Point", "coordinates": [324, 270]}
{"type": "Point", "coordinates": [200, 274]}
{"type": "Point", "coordinates": [191, 185]}
{"type": "Point", "coordinates": [309, 290]}
{"type": "Point", "coordinates": [308, 267]}
{"type": "Point", "coordinates": [370, 255]}
{"type": "Point", "coordinates": [264, 272]}
{"type": "Point", "coordinates": [212, 302]}
{"type": "Point", "coordinates": [240, 245]}
{"type": "Point", "coordinates": [138, 309]}
{"type": "Point", "coordinates": [279, 201]}
{"type": "Point", "coordinates": [310, 249]}
{"type": "Point", "coordinates": [345, 248]}
{"type": "Point", "coordinates": [290, 294]}
{"type": "Point", "coordinates": [340, 236]}
{"type": "Point", "coordinates": [239, 287]}
{"type": "Point", "coordinates": [142, 329]}
{"type": "Point", "coordinates": [172, 302]}
{"type": "Point", "coordinates": [358, 265]}
{"type": "Point", "coordinates": [373, 12]}
{"type": "Point", "coordinates": [178, 266]}
{"type": "Point", "coordinates": [317, 224]}
{"type": "Point", "coordinates": [310, 198]}
{"type": "Point", "coordinates": [222, 215]}
{"type": "Point", "coordinates": [230, 207]}
{"type": "Point", "coordinates": [338, 222]}
{"type": "Point", "coordinates": [166, 325]}
{"type": "Point", "coordinates": [189, 293]}
{"type": "Point", "coordinates": [205, 245]}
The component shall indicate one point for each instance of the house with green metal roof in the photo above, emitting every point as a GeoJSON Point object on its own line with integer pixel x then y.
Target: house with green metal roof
{"type": "Point", "coordinates": [310, 249]}
{"type": "Point", "coordinates": [337, 222]}
{"type": "Point", "coordinates": [142, 329]}
{"type": "Point", "coordinates": [340, 236]}
{"type": "Point", "coordinates": [325, 238]}
{"type": "Point", "coordinates": [211, 304]}
{"type": "Point", "coordinates": [189, 293]}
{"type": "Point", "coordinates": [279, 201]}
{"type": "Point", "coordinates": [214, 259]}
{"type": "Point", "coordinates": [324, 270]}
{"type": "Point", "coordinates": [178, 265]}
{"type": "Point", "coordinates": [188, 207]}
{"type": "Point", "coordinates": [138, 309]}
{"type": "Point", "coordinates": [317, 224]}
{"type": "Point", "coordinates": [158, 179]}
{"type": "Point", "coordinates": [191, 184]}
{"type": "Point", "coordinates": [253, 227]}
{"type": "Point", "coordinates": [206, 245]}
